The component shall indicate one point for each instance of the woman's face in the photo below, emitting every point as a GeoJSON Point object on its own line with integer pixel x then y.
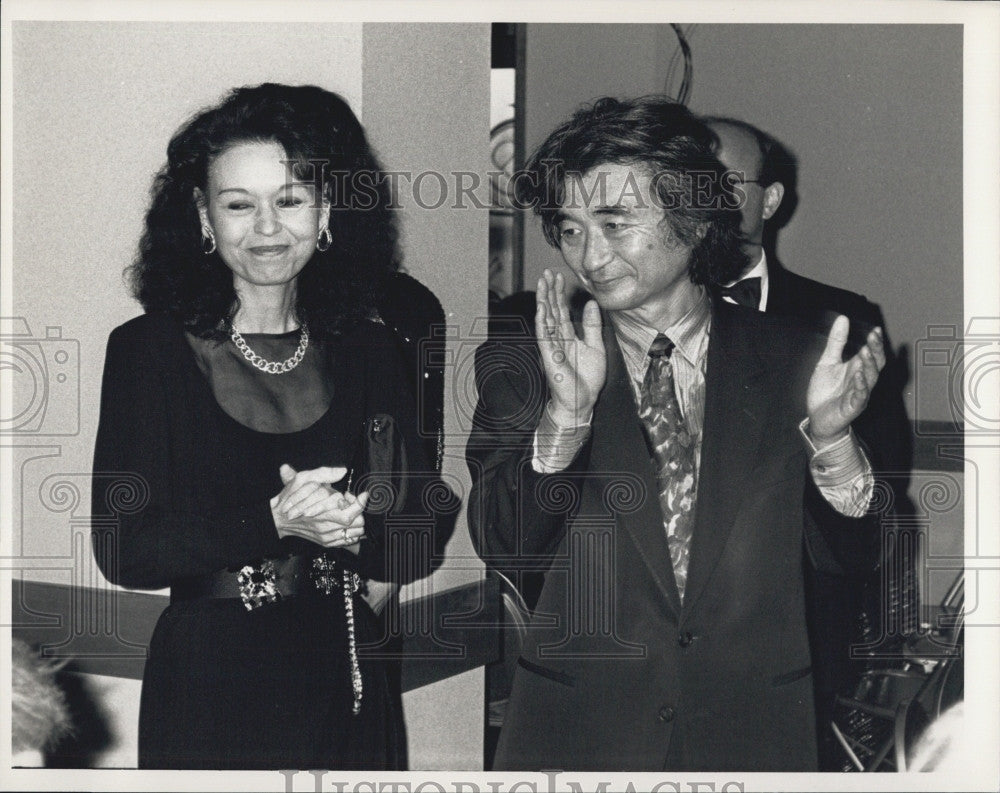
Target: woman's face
{"type": "Point", "coordinates": [265, 222]}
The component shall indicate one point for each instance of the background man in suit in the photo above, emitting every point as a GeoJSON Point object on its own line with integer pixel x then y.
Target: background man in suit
{"type": "Point", "coordinates": [656, 466]}
{"type": "Point", "coordinates": [835, 577]}
{"type": "Point", "coordinates": [768, 178]}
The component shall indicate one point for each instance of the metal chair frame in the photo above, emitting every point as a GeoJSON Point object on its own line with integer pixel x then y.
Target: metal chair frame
{"type": "Point", "coordinates": [928, 661]}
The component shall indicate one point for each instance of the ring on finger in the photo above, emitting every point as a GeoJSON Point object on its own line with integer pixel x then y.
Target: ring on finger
{"type": "Point", "coordinates": [344, 530]}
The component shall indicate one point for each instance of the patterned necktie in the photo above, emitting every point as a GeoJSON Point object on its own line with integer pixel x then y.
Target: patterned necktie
{"type": "Point", "coordinates": [673, 447]}
{"type": "Point", "coordinates": [745, 292]}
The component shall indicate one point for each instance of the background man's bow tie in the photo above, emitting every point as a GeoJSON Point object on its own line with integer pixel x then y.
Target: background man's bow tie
{"type": "Point", "coordinates": [745, 292]}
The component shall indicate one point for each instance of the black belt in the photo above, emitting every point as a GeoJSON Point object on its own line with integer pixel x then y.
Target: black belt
{"type": "Point", "coordinates": [269, 580]}
{"type": "Point", "coordinates": [274, 579]}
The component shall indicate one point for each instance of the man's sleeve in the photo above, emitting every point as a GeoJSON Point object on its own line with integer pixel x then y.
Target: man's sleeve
{"type": "Point", "coordinates": [842, 532]}
{"type": "Point", "coordinates": [510, 518]}
{"type": "Point", "coordinates": [841, 473]}
{"type": "Point", "coordinates": [555, 447]}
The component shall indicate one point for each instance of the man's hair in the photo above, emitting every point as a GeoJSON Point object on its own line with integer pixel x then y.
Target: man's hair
{"type": "Point", "coordinates": [774, 157]}
{"type": "Point", "coordinates": [317, 129]}
{"type": "Point", "coordinates": [39, 714]}
{"type": "Point", "coordinates": [669, 142]}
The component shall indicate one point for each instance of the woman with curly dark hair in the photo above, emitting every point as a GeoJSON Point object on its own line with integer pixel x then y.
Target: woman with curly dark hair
{"type": "Point", "coordinates": [239, 409]}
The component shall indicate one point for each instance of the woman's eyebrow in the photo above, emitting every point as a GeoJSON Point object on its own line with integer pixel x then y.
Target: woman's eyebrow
{"type": "Point", "coordinates": [286, 186]}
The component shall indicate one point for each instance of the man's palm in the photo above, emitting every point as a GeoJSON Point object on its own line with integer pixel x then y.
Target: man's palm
{"type": "Point", "coordinates": [575, 368]}
{"type": "Point", "coordinates": [839, 390]}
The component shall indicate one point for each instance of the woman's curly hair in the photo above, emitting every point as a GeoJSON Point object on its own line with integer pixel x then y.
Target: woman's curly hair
{"type": "Point", "coordinates": [663, 138]}
{"type": "Point", "coordinates": [317, 129]}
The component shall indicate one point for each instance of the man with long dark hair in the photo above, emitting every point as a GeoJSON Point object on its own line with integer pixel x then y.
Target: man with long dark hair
{"type": "Point", "coordinates": [654, 464]}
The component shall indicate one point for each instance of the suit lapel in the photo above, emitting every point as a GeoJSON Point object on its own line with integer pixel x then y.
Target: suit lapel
{"type": "Point", "coordinates": [619, 444]}
{"type": "Point", "coordinates": [735, 414]}
{"type": "Point", "coordinates": [779, 299]}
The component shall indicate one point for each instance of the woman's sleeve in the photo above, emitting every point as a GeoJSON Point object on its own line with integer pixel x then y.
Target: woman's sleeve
{"type": "Point", "coordinates": [408, 542]}
{"type": "Point", "coordinates": [146, 530]}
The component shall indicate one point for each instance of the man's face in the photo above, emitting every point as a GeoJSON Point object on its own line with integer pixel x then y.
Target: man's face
{"type": "Point", "coordinates": [613, 234]}
{"type": "Point", "coordinates": [739, 152]}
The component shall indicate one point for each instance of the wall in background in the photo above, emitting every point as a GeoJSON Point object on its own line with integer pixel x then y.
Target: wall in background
{"type": "Point", "coordinates": [426, 93]}
{"type": "Point", "coordinates": [873, 112]}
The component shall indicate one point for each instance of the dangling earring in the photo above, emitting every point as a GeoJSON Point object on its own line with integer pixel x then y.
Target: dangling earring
{"type": "Point", "coordinates": [207, 236]}
{"type": "Point", "coordinates": [324, 240]}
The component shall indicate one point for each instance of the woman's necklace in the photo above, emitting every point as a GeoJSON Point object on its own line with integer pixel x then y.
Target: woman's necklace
{"type": "Point", "coordinates": [272, 367]}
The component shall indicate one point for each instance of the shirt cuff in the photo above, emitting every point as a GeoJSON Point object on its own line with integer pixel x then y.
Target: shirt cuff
{"type": "Point", "coordinates": [841, 472]}
{"type": "Point", "coordinates": [555, 447]}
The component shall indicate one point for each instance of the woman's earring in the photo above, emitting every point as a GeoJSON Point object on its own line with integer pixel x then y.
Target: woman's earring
{"type": "Point", "coordinates": [207, 240]}
{"type": "Point", "coordinates": [324, 240]}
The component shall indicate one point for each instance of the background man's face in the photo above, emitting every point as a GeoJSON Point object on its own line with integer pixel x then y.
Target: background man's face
{"type": "Point", "coordinates": [613, 234]}
{"type": "Point", "coordinates": [739, 152]}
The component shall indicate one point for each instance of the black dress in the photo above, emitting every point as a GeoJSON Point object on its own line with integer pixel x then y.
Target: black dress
{"type": "Point", "coordinates": [187, 458]}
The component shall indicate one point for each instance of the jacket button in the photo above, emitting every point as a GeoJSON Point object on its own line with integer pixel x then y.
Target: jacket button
{"type": "Point", "coordinates": [685, 639]}
{"type": "Point", "coordinates": [666, 714]}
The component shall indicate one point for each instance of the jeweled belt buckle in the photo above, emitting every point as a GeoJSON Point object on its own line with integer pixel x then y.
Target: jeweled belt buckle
{"type": "Point", "coordinates": [258, 585]}
{"type": "Point", "coordinates": [328, 575]}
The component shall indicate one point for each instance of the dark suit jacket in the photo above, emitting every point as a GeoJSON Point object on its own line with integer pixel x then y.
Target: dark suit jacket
{"type": "Point", "coordinates": [615, 673]}
{"type": "Point", "coordinates": [839, 576]}
{"type": "Point", "coordinates": [884, 426]}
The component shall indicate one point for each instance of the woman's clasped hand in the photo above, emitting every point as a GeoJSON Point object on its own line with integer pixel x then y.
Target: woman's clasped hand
{"type": "Point", "coordinates": [309, 507]}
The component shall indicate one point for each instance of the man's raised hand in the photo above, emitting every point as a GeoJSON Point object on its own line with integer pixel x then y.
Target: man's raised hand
{"type": "Point", "coordinates": [839, 390]}
{"type": "Point", "coordinates": [575, 368]}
